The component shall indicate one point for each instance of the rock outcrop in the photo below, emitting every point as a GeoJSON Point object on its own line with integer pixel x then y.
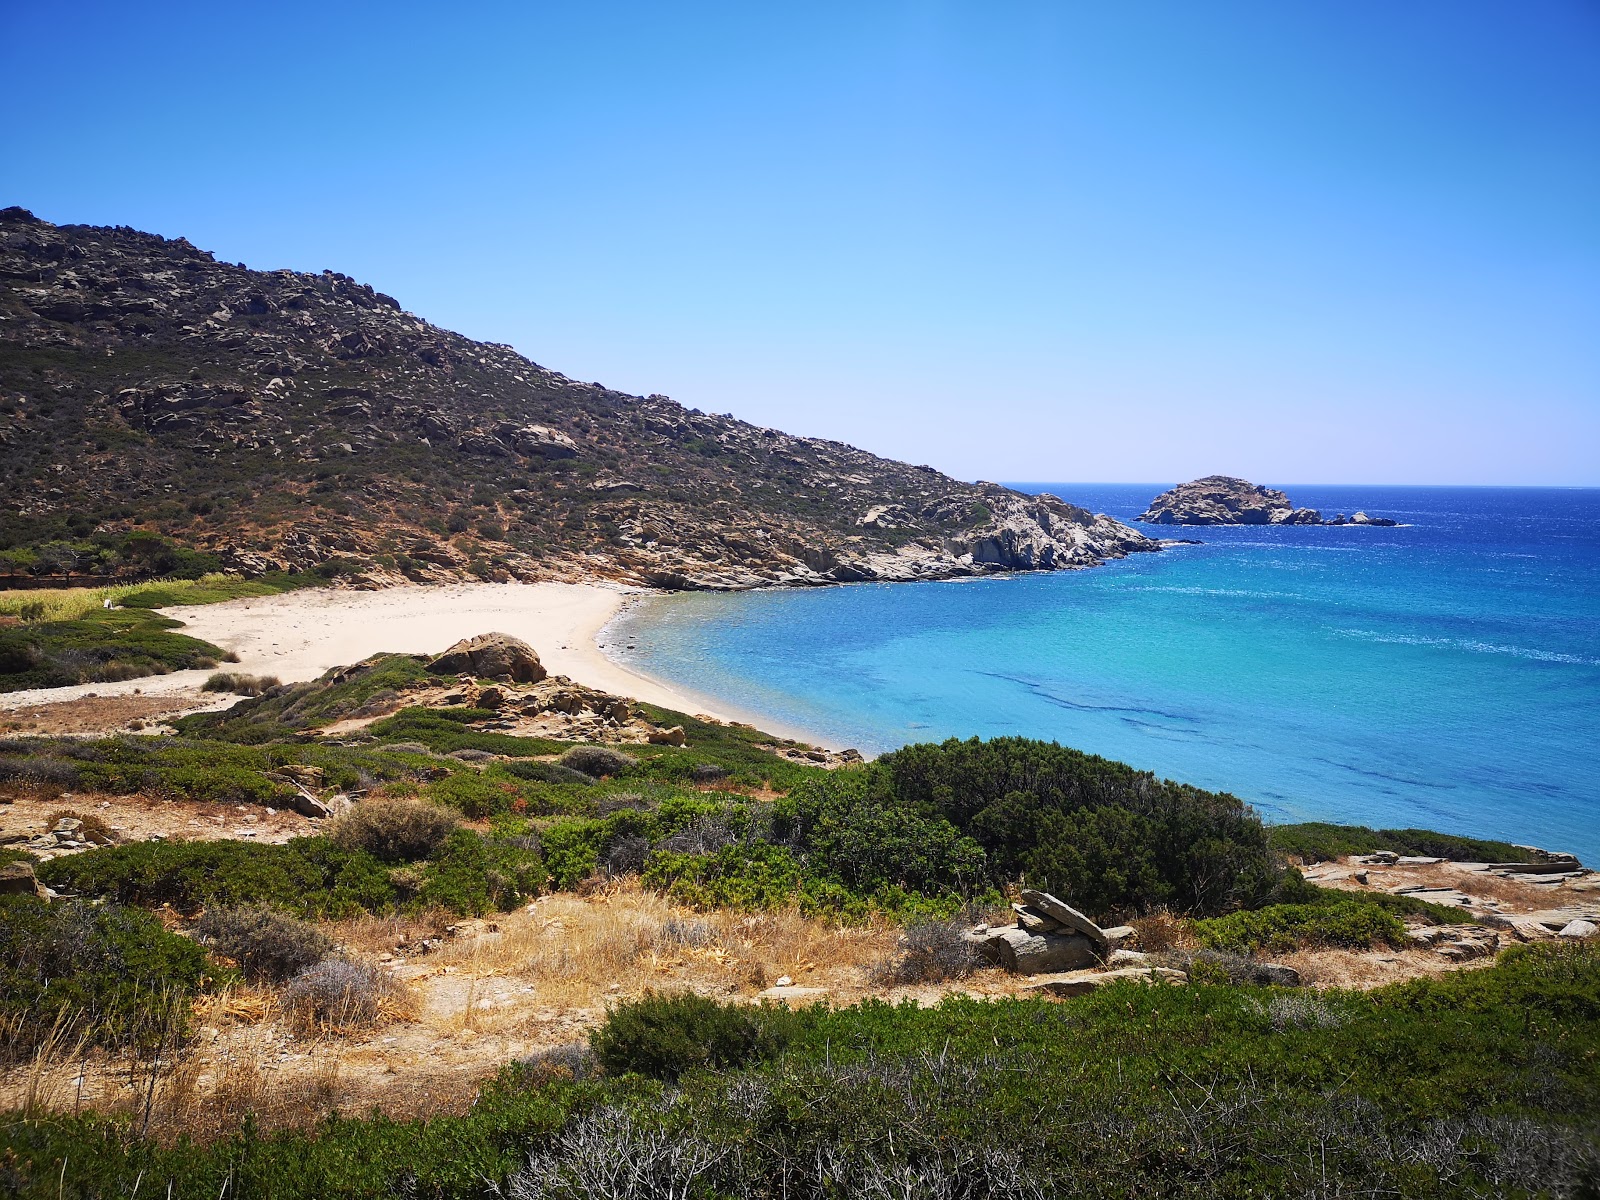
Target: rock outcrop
{"type": "Point", "coordinates": [1050, 937]}
{"type": "Point", "coordinates": [491, 656]}
{"type": "Point", "coordinates": [1225, 500]}
{"type": "Point", "coordinates": [307, 421]}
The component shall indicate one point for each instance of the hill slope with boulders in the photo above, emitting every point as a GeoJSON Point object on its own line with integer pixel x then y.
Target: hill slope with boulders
{"type": "Point", "coordinates": [284, 420]}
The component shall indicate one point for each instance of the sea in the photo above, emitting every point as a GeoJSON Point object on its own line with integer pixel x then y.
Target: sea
{"type": "Point", "coordinates": [1443, 674]}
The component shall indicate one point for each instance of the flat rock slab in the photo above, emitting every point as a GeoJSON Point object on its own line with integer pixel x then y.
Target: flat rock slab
{"type": "Point", "coordinates": [793, 994]}
{"type": "Point", "coordinates": [1081, 983]}
{"type": "Point", "coordinates": [1065, 914]}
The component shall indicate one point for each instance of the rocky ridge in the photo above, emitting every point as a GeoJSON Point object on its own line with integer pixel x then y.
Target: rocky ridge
{"type": "Point", "coordinates": [290, 420]}
{"type": "Point", "coordinates": [1226, 500]}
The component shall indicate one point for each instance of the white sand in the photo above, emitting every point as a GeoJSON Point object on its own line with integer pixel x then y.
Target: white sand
{"type": "Point", "coordinates": [299, 635]}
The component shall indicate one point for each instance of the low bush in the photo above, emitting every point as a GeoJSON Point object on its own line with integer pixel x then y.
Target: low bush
{"type": "Point", "coordinates": [101, 646]}
{"type": "Point", "coordinates": [265, 944]}
{"type": "Point", "coordinates": [338, 994]}
{"type": "Point", "coordinates": [546, 772]}
{"type": "Point", "coordinates": [667, 1036]}
{"type": "Point", "coordinates": [392, 831]}
{"type": "Point", "coordinates": [239, 684]}
{"type": "Point", "coordinates": [931, 952]}
{"type": "Point", "coordinates": [597, 761]}
{"type": "Point", "coordinates": [1279, 928]}
{"type": "Point", "coordinates": [110, 975]}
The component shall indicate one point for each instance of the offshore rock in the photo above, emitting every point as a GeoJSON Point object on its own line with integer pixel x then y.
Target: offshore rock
{"type": "Point", "coordinates": [1226, 500]}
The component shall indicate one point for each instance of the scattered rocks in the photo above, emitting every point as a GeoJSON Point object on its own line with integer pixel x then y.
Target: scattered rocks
{"type": "Point", "coordinates": [1050, 936]}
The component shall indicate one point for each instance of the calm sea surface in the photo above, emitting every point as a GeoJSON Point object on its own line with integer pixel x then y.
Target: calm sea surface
{"type": "Point", "coordinates": [1444, 675]}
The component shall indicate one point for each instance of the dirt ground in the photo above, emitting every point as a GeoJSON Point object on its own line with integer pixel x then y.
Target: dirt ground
{"type": "Point", "coordinates": [96, 715]}
{"type": "Point", "coordinates": [137, 818]}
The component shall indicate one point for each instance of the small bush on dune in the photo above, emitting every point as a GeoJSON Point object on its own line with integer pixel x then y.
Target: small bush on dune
{"type": "Point", "coordinates": [240, 684]}
{"type": "Point", "coordinates": [596, 761]}
{"type": "Point", "coordinates": [392, 831]}
{"type": "Point", "coordinates": [668, 1036]}
{"type": "Point", "coordinates": [340, 994]}
{"type": "Point", "coordinates": [265, 943]}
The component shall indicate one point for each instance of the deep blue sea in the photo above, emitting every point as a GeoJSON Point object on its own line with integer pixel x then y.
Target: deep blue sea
{"type": "Point", "coordinates": [1444, 675]}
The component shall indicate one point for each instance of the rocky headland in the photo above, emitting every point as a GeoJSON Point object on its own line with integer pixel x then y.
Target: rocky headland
{"type": "Point", "coordinates": [283, 420]}
{"type": "Point", "coordinates": [1225, 500]}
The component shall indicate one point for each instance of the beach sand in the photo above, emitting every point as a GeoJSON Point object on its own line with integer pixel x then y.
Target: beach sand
{"type": "Point", "coordinates": [299, 635]}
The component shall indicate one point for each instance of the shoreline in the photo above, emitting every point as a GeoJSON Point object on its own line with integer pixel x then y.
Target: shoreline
{"type": "Point", "coordinates": [297, 636]}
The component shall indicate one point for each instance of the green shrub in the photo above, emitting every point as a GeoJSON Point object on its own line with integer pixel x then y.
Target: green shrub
{"type": "Point", "coordinates": [392, 831]}
{"type": "Point", "coordinates": [239, 684]}
{"type": "Point", "coordinates": [477, 875]}
{"type": "Point", "coordinates": [109, 974]}
{"type": "Point", "coordinates": [1283, 927]}
{"type": "Point", "coordinates": [265, 943]}
{"type": "Point", "coordinates": [668, 1036]}
{"type": "Point", "coordinates": [546, 772]}
{"type": "Point", "coordinates": [597, 761]}
{"type": "Point", "coordinates": [99, 647]}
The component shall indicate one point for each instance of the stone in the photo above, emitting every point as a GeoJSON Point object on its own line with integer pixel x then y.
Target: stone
{"type": "Point", "coordinates": [67, 826]}
{"type": "Point", "coordinates": [1033, 954]}
{"type": "Point", "coordinates": [792, 994]}
{"type": "Point", "coordinates": [18, 879]}
{"type": "Point", "coordinates": [1579, 929]}
{"type": "Point", "coordinates": [491, 656]}
{"type": "Point", "coordinates": [1276, 975]}
{"type": "Point", "coordinates": [1034, 921]}
{"type": "Point", "coordinates": [1126, 958]}
{"type": "Point", "coordinates": [1118, 934]}
{"type": "Point", "coordinates": [1081, 983]}
{"type": "Point", "coordinates": [667, 737]}
{"type": "Point", "coordinates": [1066, 915]}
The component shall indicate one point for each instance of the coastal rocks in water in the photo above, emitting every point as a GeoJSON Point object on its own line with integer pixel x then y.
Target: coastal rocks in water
{"type": "Point", "coordinates": [491, 656]}
{"type": "Point", "coordinates": [1225, 500]}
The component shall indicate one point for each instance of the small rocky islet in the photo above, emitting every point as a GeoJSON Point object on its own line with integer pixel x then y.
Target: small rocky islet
{"type": "Point", "coordinates": [1226, 500]}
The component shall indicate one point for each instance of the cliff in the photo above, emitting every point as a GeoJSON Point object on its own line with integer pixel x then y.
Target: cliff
{"type": "Point", "coordinates": [284, 419]}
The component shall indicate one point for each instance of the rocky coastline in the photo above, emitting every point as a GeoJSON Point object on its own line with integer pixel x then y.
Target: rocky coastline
{"type": "Point", "coordinates": [1227, 500]}
{"type": "Point", "coordinates": [292, 421]}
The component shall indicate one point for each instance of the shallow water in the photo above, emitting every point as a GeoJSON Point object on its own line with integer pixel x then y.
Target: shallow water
{"type": "Point", "coordinates": [1444, 675]}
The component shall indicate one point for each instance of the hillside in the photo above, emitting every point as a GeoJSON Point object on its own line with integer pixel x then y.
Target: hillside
{"type": "Point", "coordinates": [282, 420]}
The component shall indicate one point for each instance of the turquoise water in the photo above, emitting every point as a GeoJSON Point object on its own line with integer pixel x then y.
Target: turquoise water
{"type": "Point", "coordinates": [1444, 675]}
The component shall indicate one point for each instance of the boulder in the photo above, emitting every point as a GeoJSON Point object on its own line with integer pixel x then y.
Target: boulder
{"type": "Point", "coordinates": [1579, 929]}
{"type": "Point", "coordinates": [1276, 975]}
{"type": "Point", "coordinates": [1067, 916]}
{"type": "Point", "coordinates": [1033, 954]}
{"type": "Point", "coordinates": [491, 656]}
{"type": "Point", "coordinates": [667, 737]}
{"type": "Point", "coordinates": [1080, 983]}
{"type": "Point", "coordinates": [1035, 921]}
{"type": "Point", "coordinates": [792, 994]}
{"type": "Point", "coordinates": [18, 879]}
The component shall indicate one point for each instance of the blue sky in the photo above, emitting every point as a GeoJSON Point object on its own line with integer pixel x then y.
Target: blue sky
{"type": "Point", "coordinates": [1324, 242]}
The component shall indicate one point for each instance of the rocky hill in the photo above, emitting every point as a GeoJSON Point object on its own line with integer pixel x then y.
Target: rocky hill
{"type": "Point", "coordinates": [282, 419]}
{"type": "Point", "coordinates": [1225, 500]}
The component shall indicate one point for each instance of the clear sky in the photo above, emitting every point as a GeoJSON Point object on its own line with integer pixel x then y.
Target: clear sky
{"type": "Point", "coordinates": [1339, 241]}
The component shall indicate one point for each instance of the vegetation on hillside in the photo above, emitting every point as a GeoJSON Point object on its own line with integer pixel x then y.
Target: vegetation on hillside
{"type": "Point", "coordinates": [1475, 1085]}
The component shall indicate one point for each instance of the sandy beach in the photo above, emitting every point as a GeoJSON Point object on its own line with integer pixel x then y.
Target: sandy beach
{"type": "Point", "coordinates": [299, 635]}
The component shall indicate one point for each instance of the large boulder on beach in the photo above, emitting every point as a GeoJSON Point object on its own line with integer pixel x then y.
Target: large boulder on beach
{"type": "Point", "coordinates": [491, 656]}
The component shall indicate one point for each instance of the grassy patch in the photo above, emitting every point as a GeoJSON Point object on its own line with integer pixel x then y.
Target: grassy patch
{"type": "Point", "coordinates": [99, 647]}
{"type": "Point", "coordinates": [1279, 928]}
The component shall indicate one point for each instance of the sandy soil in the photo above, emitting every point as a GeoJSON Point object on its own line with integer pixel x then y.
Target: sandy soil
{"type": "Point", "coordinates": [299, 635]}
{"type": "Point", "coordinates": [138, 818]}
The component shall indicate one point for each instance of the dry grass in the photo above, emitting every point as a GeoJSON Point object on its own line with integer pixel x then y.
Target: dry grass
{"type": "Point", "coordinates": [1161, 930]}
{"type": "Point", "coordinates": [624, 940]}
{"type": "Point", "coordinates": [72, 604]}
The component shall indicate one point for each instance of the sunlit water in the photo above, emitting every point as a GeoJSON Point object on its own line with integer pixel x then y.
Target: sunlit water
{"type": "Point", "coordinates": [1444, 675]}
